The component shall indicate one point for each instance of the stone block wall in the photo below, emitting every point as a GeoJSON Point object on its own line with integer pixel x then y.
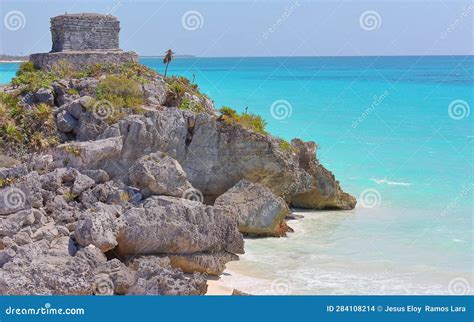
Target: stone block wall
{"type": "Point", "coordinates": [80, 60]}
{"type": "Point", "coordinates": [85, 32]}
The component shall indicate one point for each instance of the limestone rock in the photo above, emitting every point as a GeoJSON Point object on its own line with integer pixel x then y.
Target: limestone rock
{"type": "Point", "coordinates": [169, 225]}
{"type": "Point", "coordinates": [66, 122]}
{"type": "Point", "coordinates": [159, 174]}
{"type": "Point", "coordinates": [44, 95]}
{"type": "Point", "coordinates": [326, 193]}
{"type": "Point", "coordinates": [41, 270]}
{"type": "Point", "coordinates": [90, 154]}
{"type": "Point", "coordinates": [259, 212]}
{"type": "Point", "coordinates": [157, 277]}
{"type": "Point", "coordinates": [99, 227]}
{"type": "Point", "coordinates": [209, 263]}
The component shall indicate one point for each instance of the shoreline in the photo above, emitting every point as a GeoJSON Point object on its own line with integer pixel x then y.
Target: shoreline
{"type": "Point", "coordinates": [11, 61]}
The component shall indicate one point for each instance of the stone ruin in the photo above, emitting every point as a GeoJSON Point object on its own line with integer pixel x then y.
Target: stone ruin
{"type": "Point", "coordinates": [83, 39]}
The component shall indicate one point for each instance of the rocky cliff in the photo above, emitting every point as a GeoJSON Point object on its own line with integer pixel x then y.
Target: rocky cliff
{"type": "Point", "coordinates": [115, 180]}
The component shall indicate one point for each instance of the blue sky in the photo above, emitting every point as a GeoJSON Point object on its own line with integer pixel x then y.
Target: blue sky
{"type": "Point", "coordinates": [258, 28]}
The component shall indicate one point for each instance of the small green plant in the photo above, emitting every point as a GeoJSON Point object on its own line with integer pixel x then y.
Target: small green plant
{"type": "Point", "coordinates": [7, 182]}
{"type": "Point", "coordinates": [72, 150]}
{"type": "Point", "coordinates": [253, 122]}
{"type": "Point", "coordinates": [72, 91]}
{"type": "Point", "coordinates": [69, 196]}
{"type": "Point", "coordinates": [31, 79]}
{"type": "Point", "coordinates": [249, 121]}
{"type": "Point", "coordinates": [121, 92]}
{"type": "Point", "coordinates": [229, 112]}
{"type": "Point", "coordinates": [187, 104]}
{"type": "Point", "coordinates": [286, 146]}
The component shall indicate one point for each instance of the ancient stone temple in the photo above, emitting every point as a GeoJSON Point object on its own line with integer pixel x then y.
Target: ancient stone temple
{"type": "Point", "coordinates": [82, 39]}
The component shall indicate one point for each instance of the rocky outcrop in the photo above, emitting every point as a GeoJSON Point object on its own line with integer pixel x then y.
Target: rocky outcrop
{"type": "Point", "coordinates": [326, 193]}
{"type": "Point", "coordinates": [159, 174]}
{"type": "Point", "coordinates": [168, 225]}
{"type": "Point", "coordinates": [147, 200]}
{"type": "Point", "coordinates": [258, 211]}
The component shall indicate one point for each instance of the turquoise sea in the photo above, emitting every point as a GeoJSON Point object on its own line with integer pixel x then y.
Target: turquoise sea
{"type": "Point", "coordinates": [397, 132]}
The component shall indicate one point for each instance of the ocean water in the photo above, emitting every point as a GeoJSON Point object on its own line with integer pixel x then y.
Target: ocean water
{"type": "Point", "coordinates": [397, 132]}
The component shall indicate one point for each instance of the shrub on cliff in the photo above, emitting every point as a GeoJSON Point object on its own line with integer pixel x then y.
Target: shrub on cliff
{"type": "Point", "coordinates": [187, 104]}
{"type": "Point", "coordinates": [121, 92]}
{"type": "Point", "coordinates": [25, 128]}
{"type": "Point", "coordinates": [32, 79]}
{"type": "Point", "coordinates": [249, 121]}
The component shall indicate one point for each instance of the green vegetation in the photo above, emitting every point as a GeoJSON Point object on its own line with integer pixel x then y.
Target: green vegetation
{"type": "Point", "coordinates": [69, 196]}
{"type": "Point", "coordinates": [187, 104]}
{"type": "Point", "coordinates": [286, 146]}
{"type": "Point", "coordinates": [31, 79]}
{"type": "Point", "coordinates": [25, 128]}
{"type": "Point", "coordinates": [249, 121]}
{"type": "Point", "coordinates": [121, 92]}
{"type": "Point", "coordinates": [72, 150]}
{"type": "Point", "coordinates": [7, 182]}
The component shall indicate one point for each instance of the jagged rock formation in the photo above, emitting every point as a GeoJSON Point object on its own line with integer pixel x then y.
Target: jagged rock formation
{"type": "Point", "coordinates": [258, 211]}
{"type": "Point", "coordinates": [143, 195]}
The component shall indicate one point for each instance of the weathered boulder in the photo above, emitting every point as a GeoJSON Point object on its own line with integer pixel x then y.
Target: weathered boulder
{"type": "Point", "coordinates": [44, 95]}
{"type": "Point", "coordinates": [40, 269]}
{"type": "Point", "coordinates": [157, 277]}
{"type": "Point", "coordinates": [259, 212]}
{"type": "Point", "coordinates": [99, 227]}
{"type": "Point", "coordinates": [88, 154]}
{"type": "Point", "coordinates": [159, 174]}
{"type": "Point", "coordinates": [66, 122]}
{"type": "Point", "coordinates": [209, 263]}
{"type": "Point", "coordinates": [168, 225]}
{"type": "Point", "coordinates": [326, 194]}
